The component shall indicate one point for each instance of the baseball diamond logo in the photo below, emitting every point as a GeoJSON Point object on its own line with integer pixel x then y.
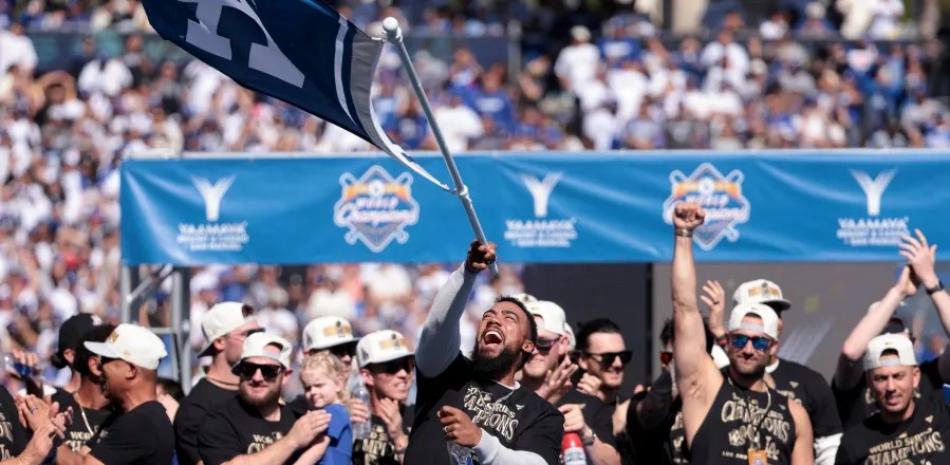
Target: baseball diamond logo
{"type": "Point", "coordinates": [376, 208]}
{"type": "Point", "coordinates": [720, 195]}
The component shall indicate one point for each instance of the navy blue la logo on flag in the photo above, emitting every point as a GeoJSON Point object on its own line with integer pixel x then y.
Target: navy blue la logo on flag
{"type": "Point", "coordinates": [300, 51]}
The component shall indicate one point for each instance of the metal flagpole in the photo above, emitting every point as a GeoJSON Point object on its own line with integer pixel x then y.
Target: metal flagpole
{"type": "Point", "coordinates": [394, 36]}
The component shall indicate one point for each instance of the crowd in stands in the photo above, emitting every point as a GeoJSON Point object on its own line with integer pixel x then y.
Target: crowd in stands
{"type": "Point", "coordinates": [618, 83]}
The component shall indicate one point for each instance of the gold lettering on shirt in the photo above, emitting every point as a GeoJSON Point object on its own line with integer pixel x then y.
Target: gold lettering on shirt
{"type": "Point", "coordinates": [742, 416]}
{"type": "Point", "coordinates": [490, 415]}
{"type": "Point", "coordinates": [907, 450]}
{"type": "Point", "coordinates": [260, 442]}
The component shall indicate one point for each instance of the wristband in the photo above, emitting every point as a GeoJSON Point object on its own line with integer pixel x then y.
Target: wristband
{"type": "Point", "coordinates": [933, 290]}
{"type": "Point", "coordinates": [683, 232]}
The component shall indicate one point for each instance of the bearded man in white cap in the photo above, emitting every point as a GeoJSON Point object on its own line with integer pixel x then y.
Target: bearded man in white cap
{"type": "Point", "coordinates": [225, 326]}
{"type": "Point", "coordinates": [793, 380]}
{"type": "Point", "coordinates": [142, 433]}
{"type": "Point", "coordinates": [253, 427]}
{"type": "Point", "coordinates": [904, 430]}
{"type": "Point", "coordinates": [548, 372]}
{"type": "Point", "coordinates": [730, 416]}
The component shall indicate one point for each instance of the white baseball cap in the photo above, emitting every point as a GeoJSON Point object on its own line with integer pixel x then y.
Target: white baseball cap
{"type": "Point", "coordinates": [380, 347]}
{"type": "Point", "coordinates": [256, 346]}
{"type": "Point", "coordinates": [221, 319]}
{"type": "Point", "coordinates": [889, 342]}
{"type": "Point", "coordinates": [761, 291]}
{"type": "Point", "coordinates": [571, 338]}
{"type": "Point", "coordinates": [524, 298]}
{"type": "Point", "coordinates": [132, 343]}
{"type": "Point", "coordinates": [769, 318]}
{"type": "Point", "coordinates": [327, 331]}
{"type": "Point", "coordinates": [551, 316]}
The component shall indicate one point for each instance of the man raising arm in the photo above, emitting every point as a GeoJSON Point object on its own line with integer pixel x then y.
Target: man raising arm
{"type": "Point", "coordinates": [736, 418]}
{"type": "Point", "coordinates": [476, 406]}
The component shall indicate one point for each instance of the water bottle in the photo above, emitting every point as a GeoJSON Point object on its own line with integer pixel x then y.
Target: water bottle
{"type": "Point", "coordinates": [459, 454]}
{"type": "Point", "coordinates": [358, 391]}
{"type": "Point", "coordinates": [572, 450]}
{"type": "Point", "coordinates": [21, 370]}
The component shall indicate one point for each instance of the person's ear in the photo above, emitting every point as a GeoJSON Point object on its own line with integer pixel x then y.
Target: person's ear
{"type": "Point", "coordinates": [367, 377]}
{"type": "Point", "coordinates": [131, 372]}
{"type": "Point", "coordinates": [527, 346]}
{"type": "Point", "coordinates": [219, 343]}
{"type": "Point", "coordinates": [70, 356]}
{"type": "Point", "coordinates": [286, 376]}
{"type": "Point", "coordinates": [916, 376]}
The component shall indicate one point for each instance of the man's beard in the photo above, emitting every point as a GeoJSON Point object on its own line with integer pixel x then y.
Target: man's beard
{"type": "Point", "coordinates": [493, 368]}
{"type": "Point", "coordinates": [269, 399]}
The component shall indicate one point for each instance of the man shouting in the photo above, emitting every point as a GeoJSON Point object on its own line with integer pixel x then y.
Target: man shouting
{"type": "Point", "coordinates": [475, 406]}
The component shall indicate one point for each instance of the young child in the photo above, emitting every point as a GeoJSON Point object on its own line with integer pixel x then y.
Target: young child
{"type": "Point", "coordinates": [323, 384]}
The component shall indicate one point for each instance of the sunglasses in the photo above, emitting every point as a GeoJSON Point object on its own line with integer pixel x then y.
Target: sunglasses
{"type": "Point", "coordinates": [607, 358]}
{"type": "Point", "coordinates": [759, 343]}
{"type": "Point", "coordinates": [666, 357]}
{"type": "Point", "coordinates": [545, 345]}
{"type": "Point", "coordinates": [395, 366]}
{"type": "Point", "coordinates": [343, 350]}
{"type": "Point", "coordinates": [246, 370]}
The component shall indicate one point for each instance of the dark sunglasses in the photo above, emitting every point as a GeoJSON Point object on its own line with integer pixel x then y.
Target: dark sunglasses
{"type": "Point", "coordinates": [343, 350]}
{"type": "Point", "coordinates": [759, 343]}
{"type": "Point", "coordinates": [607, 358]}
{"type": "Point", "coordinates": [246, 370]}
{"type": "Point", "coordinates": [666, 357]}
{"type": "Point", "coordinates": [545, 345]}
{"type": "Point", "coordinates": [395, 366]}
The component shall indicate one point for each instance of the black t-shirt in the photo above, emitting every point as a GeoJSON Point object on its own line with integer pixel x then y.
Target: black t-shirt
{"type": "Point", "coordinates": [13, 436]}
{"type": "Point", "coordinates": [597, 414]}
{"type": "Point", "coordinates": [811, 391]}
{"type": "Point", "coordinates": [234, 428]}
{"type": "Point", "coordinates": [203, 396]}
{"type": "Point", "coordinates": [656, 441]}
{"type": "Point", "coordinates": [921, 440]}
{"type": "Point", "coordinates": [857, 404]}
{"type": "Point", "coordinates": [86, 421]}
{"type": "Point", "coordinates": [741, 419]}
{"type": "Point", "coordinates": [141, 436]}
{"type": "Point", "coordinates": [519, 418]}
{"type": "Point", "coordinates": [377, 448]}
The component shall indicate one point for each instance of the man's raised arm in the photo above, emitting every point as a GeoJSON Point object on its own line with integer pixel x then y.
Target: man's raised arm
{"type": "Point", "coordinates": [439, 341]}
{"type": "Point", "coordinates": [696, 374]}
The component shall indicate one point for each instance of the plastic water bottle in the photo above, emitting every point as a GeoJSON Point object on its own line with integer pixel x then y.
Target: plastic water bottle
{"type": "Point", "coordinates": [15, 367]}
{"type": "Point", "coordinates": [459, 454]}
{"type": "Point", "coordinates": [572, 450]}
{"type": "Point", "coordinates": [358, 391]}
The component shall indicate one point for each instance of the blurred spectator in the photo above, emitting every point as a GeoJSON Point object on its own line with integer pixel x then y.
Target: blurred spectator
{"type": "Point", "coordinates": [577, 63]}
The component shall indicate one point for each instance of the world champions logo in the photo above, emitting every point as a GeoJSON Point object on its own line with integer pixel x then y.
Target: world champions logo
{"type": "Point", "coordinates": [721, 197]}
{"type": "Point", "coordinates": [376, 208]}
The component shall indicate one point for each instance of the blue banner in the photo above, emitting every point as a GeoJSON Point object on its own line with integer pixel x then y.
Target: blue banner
{"type": "Point", "coordinates": [550, 207]}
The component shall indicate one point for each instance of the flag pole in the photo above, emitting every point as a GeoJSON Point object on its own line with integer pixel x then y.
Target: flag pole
{"type": "Point", "coordinates": [394, 36]}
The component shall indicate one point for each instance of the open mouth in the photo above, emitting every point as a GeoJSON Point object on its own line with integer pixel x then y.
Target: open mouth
{"type": "Point", "coordinates": [492, 336]}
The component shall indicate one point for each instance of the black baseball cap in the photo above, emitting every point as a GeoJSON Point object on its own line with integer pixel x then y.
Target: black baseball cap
{"type": "Point", "coordinates": [70, 335]}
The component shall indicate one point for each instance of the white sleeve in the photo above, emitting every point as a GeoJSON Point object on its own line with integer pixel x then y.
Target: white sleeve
{"type": "Point", "coordinates": [440, 339]}
{"type": "Point", "coordinates": [826, 448]}
{"type": "Point", "coordinates": [490, 452]}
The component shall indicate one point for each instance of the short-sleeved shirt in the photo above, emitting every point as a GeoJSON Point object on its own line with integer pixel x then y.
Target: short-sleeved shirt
{"type": "Point", "coordinates": [203, 396]}
{"type": "Point", "coordinates": [86, 421]}
{"type": "Point", "coordinates": [920, 440]}
{"type": "Point", "coordinates": [597, 414]}
{"type": "Point", "coordinates": [141, 436]}
{"type": "Point", "coordinates": [518, 418]}
{"type": "Point", "coordinates": [811, 391]}
{"type": "Point", "coordinates": [13, 437]}
{"type": "Point", "coordinates": [857, 404]}
{"type": "Point", "coordinates": [234, 428]}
